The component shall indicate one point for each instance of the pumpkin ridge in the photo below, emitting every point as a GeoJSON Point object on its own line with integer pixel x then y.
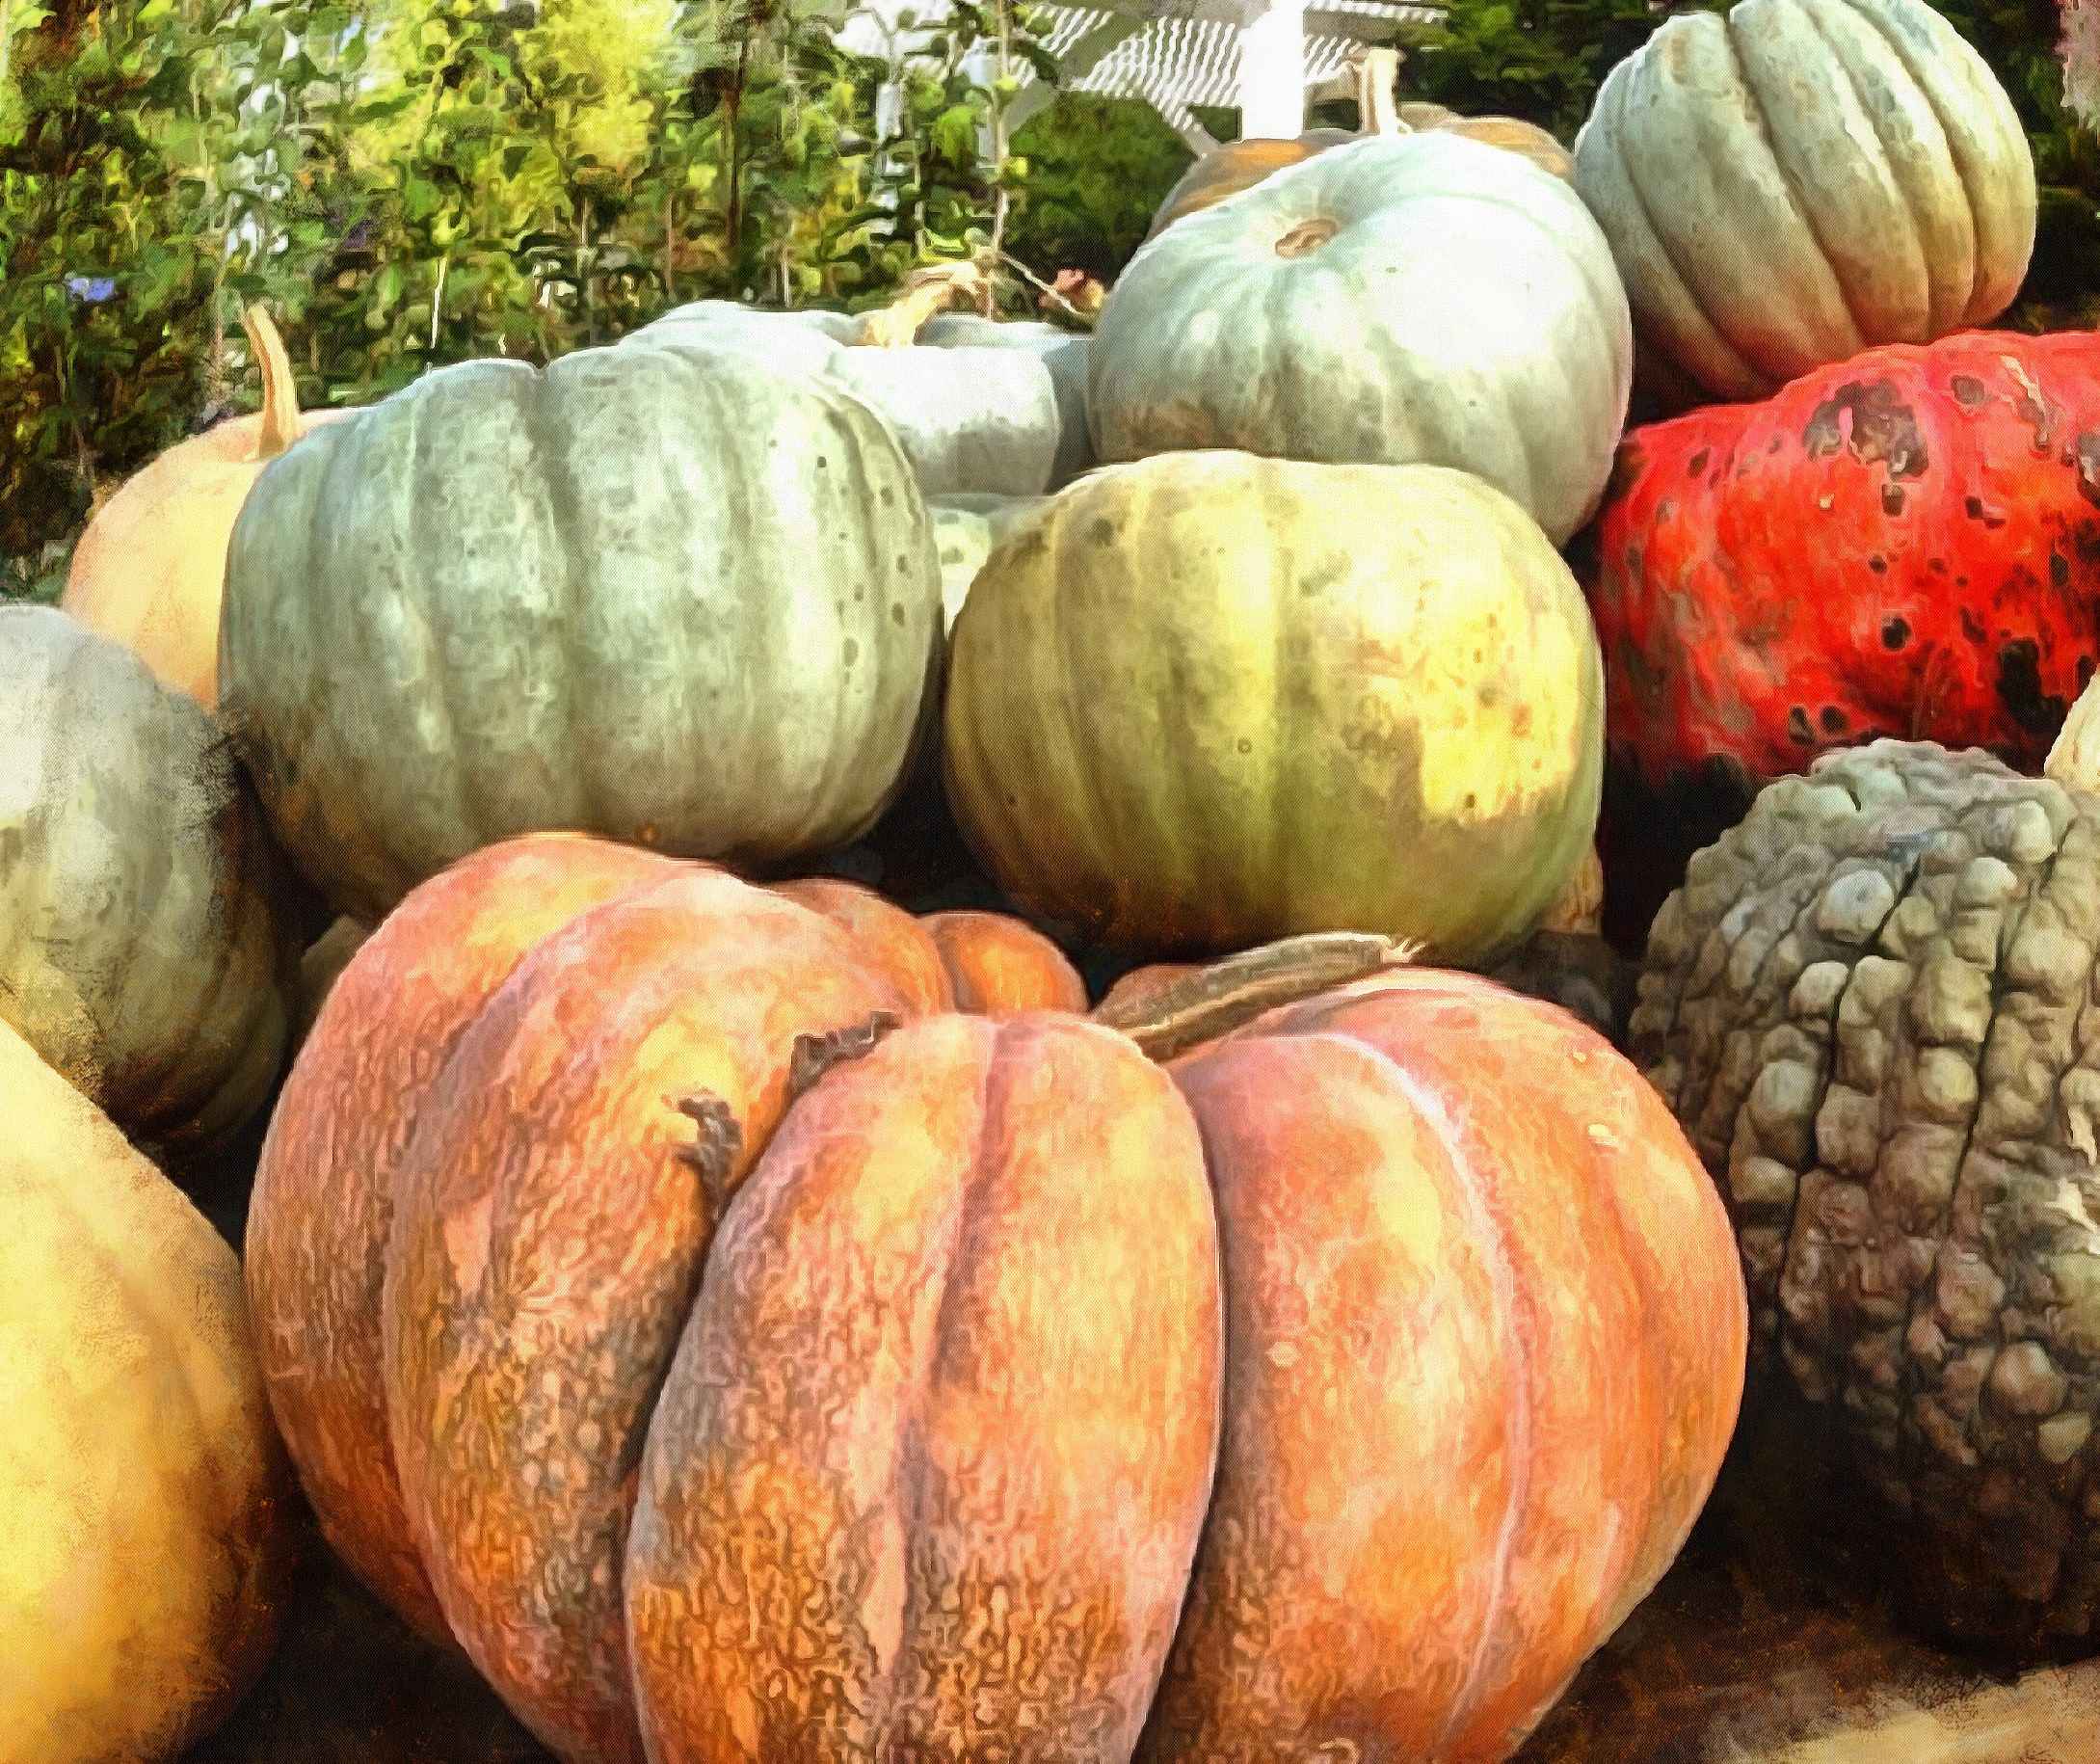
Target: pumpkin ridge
{"type": "Point", "coordinates": [564, 500]}
{"type": "Point", "coordinates": [1491, 1234]}
{"type": "Point", "coordinates": [1803, 211]}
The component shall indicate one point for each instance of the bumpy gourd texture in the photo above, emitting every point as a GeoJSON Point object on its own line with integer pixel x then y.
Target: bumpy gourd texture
{"type": "Point", "coordinates": [1434, 300]}
{"type": "Point", "coordinates": [1873, 1007]}
{"type": "Point", "coordinates": [141, 951]}
{"type": "Point", "coordinates": [676, 595]}
{"type": "Point", "coordinates": [1786, 185]}
{"type": "Point", "coordinates": [1208, 699]}
{"type": "Point", "coordinates": [145, 1539]}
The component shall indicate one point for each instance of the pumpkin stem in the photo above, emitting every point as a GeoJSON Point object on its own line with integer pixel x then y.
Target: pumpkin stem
{"type": "Point", "coordinates": [926, 291]}
{"type": "Point", "coordinates": [2074, 756]}
{"type": "Point", "coordinates": [1377, 104]}
{"type": "Point", "coordinates": [1582, 903]}
{"type": "Point", "coordinates": [718, 1138]}
{"type": "Point", "coordinates": [282, 421]}
{"type": "Point", "coordinates": [813, 1055]}
{"type": "Point", "coordinates": [1203, 1004]}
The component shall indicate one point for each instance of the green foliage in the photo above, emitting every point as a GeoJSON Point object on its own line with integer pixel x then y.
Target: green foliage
{"type": "Point", "coordinates": [1098, 171]}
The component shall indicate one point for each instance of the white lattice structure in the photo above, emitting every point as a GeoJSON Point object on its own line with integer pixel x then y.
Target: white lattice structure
{"type": "Point", "coordinates": [1265, 57]}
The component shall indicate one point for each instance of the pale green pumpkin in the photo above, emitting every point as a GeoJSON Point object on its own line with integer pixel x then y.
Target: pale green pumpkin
{"type": "Point", "coordinates": [1396, 299]}
{"type": "Point", "coordinates": [1803, 179]}
{"type": "Point", "coordinates": [669, 594]}
{"type": "Point", "coordinates": [1208, 699]}
{"type": "Point", "coordinates": [965, 528]}
{"type": "Point", "coordinates": [142, 949]}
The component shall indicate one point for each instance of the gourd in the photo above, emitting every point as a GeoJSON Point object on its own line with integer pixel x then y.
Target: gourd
{"type": "Point", "coordinates": [147, 946]}
{"type": "Point", "coordinates": [146, 1529]}
{"type": "Point", "coordinates": [965, 528]}
{"type": "Point", "coordinates": [150, 567]}
{"type": "Point", "coordinates": [1239, 165]}
{"type": "Point", "coordinates": [1795, 182]}
{"type": "Point", "coordinates": [1905, 545]}
{"type": "Point", "coordinates": [1208, 699]}
{"type": "Point", "coordinates": [505, 600]}
{"type": "Point", "coordinates": [1423, 299]}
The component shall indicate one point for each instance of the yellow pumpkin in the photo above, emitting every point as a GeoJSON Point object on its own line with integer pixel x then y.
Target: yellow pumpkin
{"type": "Point", "coordinates": [144, 1520]}
{"type": "Point", "coordinates": [150, 568]}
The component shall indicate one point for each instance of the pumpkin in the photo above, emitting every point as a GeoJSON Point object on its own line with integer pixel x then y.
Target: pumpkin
{"type": "Point", "coordinates": [1208, 699]}
{"type": "Point", "coordinates": [1427, 298]}
{"type": "Point", "coordinates": [965, 528]}
{"type": "Point", "coordinates": [1905, 545]}
{"type": "Point", "coordinates": [437, 979]}
{"type": "Point", "coordinates": [150, 568]}
{"type": "Point", "coordinates": [1789, 184]}
{"type": "Point", "coordinates": [146, 1534]}
{"type": "Point", "coordinates": [321, 966]}
{"type": "Point", "coordinates": [1870, 1004]}
{"type": "Point", "coordinates": [1239, 165]}
{"type": "Point", "coordinates": [980, 407]}
{"type": "Point", "coordinates": [999, 965]}
{"type": "Point", "coordinates": [940, 1403]}
{"type": "Point", "coordinates": [580, 619]}
{"type": "Point", "coordinates": [144, 950]}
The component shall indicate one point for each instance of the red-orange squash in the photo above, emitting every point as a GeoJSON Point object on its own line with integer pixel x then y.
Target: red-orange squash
{"type": "Point", "coordinates": [996, 963]}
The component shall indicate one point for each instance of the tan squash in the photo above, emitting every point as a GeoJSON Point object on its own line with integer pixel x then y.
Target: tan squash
{"type": "Point", "coordinates": [144, 1517]}
{"type": "Point", "coordinates": [150, 567]}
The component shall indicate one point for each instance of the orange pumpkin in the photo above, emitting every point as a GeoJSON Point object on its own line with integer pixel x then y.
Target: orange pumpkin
{"type": "Point", "coordinates": [1334, 1386]}
{"type": "Point", "coordinates": [999, 964]}
{"type": "Point", "coordinates": [1241, 165]}
{"type": "Point", "coordinates": [150, 567]}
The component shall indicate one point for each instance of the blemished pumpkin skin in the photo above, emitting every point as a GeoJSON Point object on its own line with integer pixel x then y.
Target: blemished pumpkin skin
{"type": "Point", "coordinates": [1903, 545]}
{"type": "Point", "coordinates": [965, 528]}
{"type": "Point", "coordinates": [146, 1529]}
{"type": "Point", "coordinates": [1207, 699]}
{"type": "Point", "coordinates": [1487, 1339]}
{"type": "Point", "coordinates": [1239, 165]}
{"type": "Point", "coordinates": [952, 1246]}
{"type": "Point", "coordinates": [675, 595]}
{"type": "Point", "coordinates": [150, 568]}
{"type": "Point", "coordinates": [1392, 301]}
{"type": "Point", "coordinates": [1795, 182]}
{"type": "Point", "coordinates": [998, 964]}
{"type": "Point", "coordinates": [145, 947]}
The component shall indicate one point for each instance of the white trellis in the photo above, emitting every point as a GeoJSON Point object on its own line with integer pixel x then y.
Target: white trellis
{"type": "Point", "coordinates": [1265, 57]}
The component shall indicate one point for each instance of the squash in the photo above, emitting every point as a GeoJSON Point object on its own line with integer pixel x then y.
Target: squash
{"type": "Point", "coordinates": [146, 950]}
{"type": "Point", "coordinates": [1905, 543]}
{"type": "Point", "coordinates": [150, 568]}
{"type": "Point", "coordinates": [579, 618]}
{"type": "Point", "coordinates": [1239, 165]}
{"type": "Point", "coordinates": [999, 965]}
{"type": "Point", "coordinates": [588, 1196]}
{"type": "Point", "coordinates": [981, 407]}
{"type": "Point", "coordinates": [1422, 299]}
{"type": "Point", "coordinates": [1870, 1005]}
{"type": "Point", "coordinates": [1208, 699]}
{"type": "Point", "coordinates": [965, 528]}
{"type": "Point", "coordinates": [1793, 184]}
{"type": "Point", "coordinates": [145, 1508]}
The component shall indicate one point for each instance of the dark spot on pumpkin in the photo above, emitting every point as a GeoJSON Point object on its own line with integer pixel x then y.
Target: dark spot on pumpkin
{"type": "Point", "coordinates": [1938, 566]}
{"type": "Point", "coordinates": [822, 463]}
{"type": "Point", "coordinates": [1977, 510]}
{"type": "Point", "coordinates": [2060, 569]}
{"type": "Point", "coordinates": [1101, 531]}
{"type": "Point", "coordinates": [1778, 441]}
{"type": "Point", "coordinates": [1244, 745]}
{"type": "Point", "coordinates": [889, 496]}
{"type": "Point", "coordinates": [903, 562]}
{"type": "Point", "coordinates": [896, 613]}
{"type": "Point", "coordinates": [1878, 564]}
{"type": "Point", "coordinates": [1972, 628]}
{"type": "Point", "coordinates": [1962, 581]}
{"type": "Point", "coordinates": [2019, 688]}
{"type": "Point", "coordinates": [1798, 726]}
{"type": "Point", "coordinates": [851, 653]}
{"type": "Point", "coordinates": [1695, 465]}
{"type": "Point", "coordinates": [2088, 467]}
{"type": "Point", "coordinates": [1833, 720]}
{"type": "Point", "coordinates": [1634, 562]}
{"type": "Point", "coordinates": [1472, 798]}
{"type": "Point", "coordinates": [1883, 428]}
{"type": "Point", "coordinates": [1891, 498]}
{"type": "Point", "coordinates": [1895, 631]}
{"type": "Point", "coordinates": [1967, 390]}
{"type": "Point", "coordinates": [1664, 511]}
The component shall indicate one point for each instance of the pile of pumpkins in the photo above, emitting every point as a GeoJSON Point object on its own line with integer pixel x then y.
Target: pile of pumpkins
{"type": "Point", "coordinates": [752, 1316]}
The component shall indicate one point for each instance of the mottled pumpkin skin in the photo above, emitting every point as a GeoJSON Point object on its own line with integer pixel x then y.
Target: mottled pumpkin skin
{"type": "Point", "coordinates": [1396, 300]}
{"type": "Point", "coordinates": [1486, 1350]}
{"type": "Point", "coordinates": [999, 964]}
{"type": "Point", "coordinates": [677, 595]}
{"type": "Point", "coordinates": [146, 948]}
{"type": "Point", "coordinates": [145, 1508]}
{"type": "Point", "coordinates": [1906, 544]}
{"type": "Point", "coordinates": [1241, 165]}
{"type": "Point", "coordinates": [950, 1253]}
{"type": "Point", "coordinates": [965, 528]}
{"type": "Point", "coordinates": [1802, 179]}
{"type": "Point", "coordinates": [1208, 699]}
